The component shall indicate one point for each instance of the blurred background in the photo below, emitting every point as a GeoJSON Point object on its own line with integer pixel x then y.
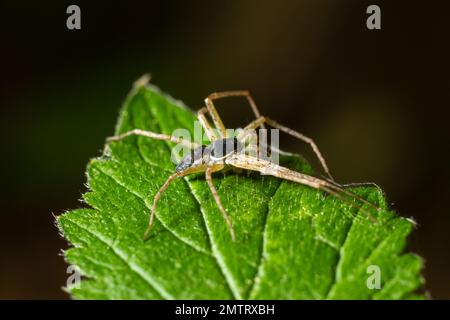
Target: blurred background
{"type": "Point", "coordinates": [376, 102]}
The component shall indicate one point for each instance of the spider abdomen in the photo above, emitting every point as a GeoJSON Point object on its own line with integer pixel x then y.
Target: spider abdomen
{"type": "Point", "coordinates": [196, 156]}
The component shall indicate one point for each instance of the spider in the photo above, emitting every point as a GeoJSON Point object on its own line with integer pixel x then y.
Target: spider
{"type": "Point", "coordinates": [225, 151]}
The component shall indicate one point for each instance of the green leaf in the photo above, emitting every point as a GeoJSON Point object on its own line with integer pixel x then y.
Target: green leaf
{"type": "Point", "coordinates": [293, 242]}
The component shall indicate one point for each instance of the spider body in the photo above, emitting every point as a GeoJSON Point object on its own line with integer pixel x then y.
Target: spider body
{"type": "Point", "coordinates": [225, 151]}
{"type": "Point", "coordinates": [210, 155]}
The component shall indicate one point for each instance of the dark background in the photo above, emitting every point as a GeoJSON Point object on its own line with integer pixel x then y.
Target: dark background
{"type": "Point", "coordinates": [376, 102]}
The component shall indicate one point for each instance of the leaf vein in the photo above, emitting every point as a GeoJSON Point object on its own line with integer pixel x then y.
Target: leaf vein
{"type": "Point", "coordinates": [196, 248]}
{"type": "Point", "coordinates": [259, 266]}
{"type": "Point", "coordinates": [132, 266]}
{"type": "Point", "coordinates": [337, 269]}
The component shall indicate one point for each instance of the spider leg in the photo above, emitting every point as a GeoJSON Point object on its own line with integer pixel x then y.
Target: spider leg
{"type": "Point", "coordinates": [269, 168]}
{"type": "Point", "coordinates": [341, 187]}
{"type": "Point", "coordinates": [261, 120]}
{"type": "Point", "coordinates": [225, 94]}
{"type": "Point", "coordinates": [213, 189]}
{"type": "Point", "coordinates": [166, 184]}
{"type": "Point", "coordinates": [249, 138]}
{"type": "Point", "coordinates": [213, 134]}
{"type": "Point", "coordinates": [153, 135]}
{"type": "Point", "coordinates": [357, 184]}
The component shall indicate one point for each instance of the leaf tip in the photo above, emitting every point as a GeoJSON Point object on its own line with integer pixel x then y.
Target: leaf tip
{"type": "Point", "coordinates": [142, 81]}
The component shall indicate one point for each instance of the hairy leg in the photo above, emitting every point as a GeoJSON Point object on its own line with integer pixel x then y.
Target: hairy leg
{"type": "Point", "coordinates": [160, 192]}
{"type": "Point", "coordinates": [213, 134]}
{"type": "Point", "coordinates": [226, 94]}
{"type": "Point", "coordinates": [261, 120]}
{"type": "Point", "coordinates": [269, 168]}
{"type": "Point", "coordinates": [213, 189]}
{"type": "Point", "coordinates": [152, 135]}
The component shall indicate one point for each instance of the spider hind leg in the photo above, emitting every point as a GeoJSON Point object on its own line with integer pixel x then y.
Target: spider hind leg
{"type": "Point", "coordinates": [269, 168]}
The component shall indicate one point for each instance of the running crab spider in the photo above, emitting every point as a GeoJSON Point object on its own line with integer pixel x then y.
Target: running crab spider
{"type": "Point", "coordinates": [225, 151]}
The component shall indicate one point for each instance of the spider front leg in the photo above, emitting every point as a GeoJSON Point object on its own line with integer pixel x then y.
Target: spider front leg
{"type": "Point", "coordinates": [149, 134]}
{"type": "Point", "coordinates": [213, 189]}
{"type": "Point", "coordinates": [260, 122]}
{"type": "Point", "coordinates": [166, 184]}
{"type": "Point", "coordinates": [211, 133]}
{"type": "Point", "coordinates": [226, 94]}
{"type": "Point", "coordinates": [153, 135]}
